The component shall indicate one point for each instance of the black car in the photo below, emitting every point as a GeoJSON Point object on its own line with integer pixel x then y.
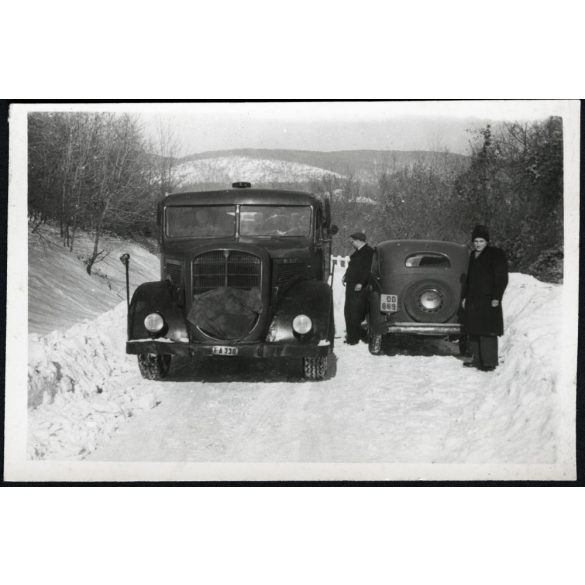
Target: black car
{"type": "Point", "coordinates": [416, 289]}
{"type": "Point", "coordinates": [243, 273]}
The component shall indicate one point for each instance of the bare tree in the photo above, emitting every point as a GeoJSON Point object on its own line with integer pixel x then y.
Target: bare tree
{"type": "Point", "coordinates": [120, 178]}
{"type": "Point", "coordinates": [166, 148]}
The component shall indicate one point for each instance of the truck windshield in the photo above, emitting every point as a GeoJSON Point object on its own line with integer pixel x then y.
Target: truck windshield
{"type": "Point", "coordinates": [201, 221]}
{"type": "Point", "coordinates": [275, 220]}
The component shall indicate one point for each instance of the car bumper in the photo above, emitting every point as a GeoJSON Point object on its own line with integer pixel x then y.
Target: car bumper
{"type": "Point", "coordinates": [245, 350]}
{"type": "Point", "coordinates": [431, 329]}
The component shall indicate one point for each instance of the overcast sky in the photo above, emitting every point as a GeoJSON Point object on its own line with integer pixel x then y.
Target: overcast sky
{"type": "Point", "coordinates": [327, 126]}
{"type": "Point", "coordinates": [198, 133]}
{"type": "Point", "coordinates": [336, 125]}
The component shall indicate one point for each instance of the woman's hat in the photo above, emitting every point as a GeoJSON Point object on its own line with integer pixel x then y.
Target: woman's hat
{"type": "Point", "coordinates": [480, 231]}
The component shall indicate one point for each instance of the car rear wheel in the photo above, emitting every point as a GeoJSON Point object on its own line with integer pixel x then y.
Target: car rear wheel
{"type": "Point", "coordinates": [375, 343]}
{"type": "Point", "coordinates": [374, 338]}
{"type": "Point", "coordinates": [315, 368]}
{"type": "Point", "coordinates": [154, 366]}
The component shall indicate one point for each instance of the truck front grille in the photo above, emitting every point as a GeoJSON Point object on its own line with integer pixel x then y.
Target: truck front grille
{"type": "Point", "coordinates": [230, 268]}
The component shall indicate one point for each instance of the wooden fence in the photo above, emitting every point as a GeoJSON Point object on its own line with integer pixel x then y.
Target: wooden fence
{"type": "Point", "coordinates": [339, 261]}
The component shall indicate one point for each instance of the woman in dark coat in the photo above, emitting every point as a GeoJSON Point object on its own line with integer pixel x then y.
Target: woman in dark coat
{"type": "Point", "coordinates": [487, 278]}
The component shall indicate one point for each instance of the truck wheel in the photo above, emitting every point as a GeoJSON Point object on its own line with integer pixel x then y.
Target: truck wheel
{"type": "Point", "coordinates": [154, 366]}
{"type": "Point", "coordinates": [375, 343]}
{"type": "Point", "coordinates": [315, 368]}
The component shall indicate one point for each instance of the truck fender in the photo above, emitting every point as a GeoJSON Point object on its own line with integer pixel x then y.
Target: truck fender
{"type": "Point", "coordinates": [307, 297]}
{"type": "Point", "coordinates": [156, 297]}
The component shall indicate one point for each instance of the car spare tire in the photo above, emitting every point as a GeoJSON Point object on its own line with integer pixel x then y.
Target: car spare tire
{"type": "Point", "coordinates": [431, 301]}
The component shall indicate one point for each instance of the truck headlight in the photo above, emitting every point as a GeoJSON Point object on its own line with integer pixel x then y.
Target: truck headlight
{"type": "Point", "coordinates": [302, 324]}
{"type": "Point", "coordinates": [154, 322]}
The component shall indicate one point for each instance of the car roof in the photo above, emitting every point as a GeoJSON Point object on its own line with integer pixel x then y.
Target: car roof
{"type": "Point", "coordinates": [421, 246]}
{"type": "Point", "coordinates": [393, 254]}
{"type": "Point", "coordinates": [243, 196]}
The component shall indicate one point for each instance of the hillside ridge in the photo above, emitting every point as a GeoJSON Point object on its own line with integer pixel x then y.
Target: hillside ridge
{"type": "Point", "coordinates": [289, 165]}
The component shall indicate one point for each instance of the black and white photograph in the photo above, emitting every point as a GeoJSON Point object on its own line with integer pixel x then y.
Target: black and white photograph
{"type": "Point", "coordinates": [292, 291]}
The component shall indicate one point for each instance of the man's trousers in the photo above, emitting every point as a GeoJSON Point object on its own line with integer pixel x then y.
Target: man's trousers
{"type": "Point", "coordinates": [355, 312]}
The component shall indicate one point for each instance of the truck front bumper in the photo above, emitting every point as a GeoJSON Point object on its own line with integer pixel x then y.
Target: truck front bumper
{"type": "Point", "coordinates": [245, 350]}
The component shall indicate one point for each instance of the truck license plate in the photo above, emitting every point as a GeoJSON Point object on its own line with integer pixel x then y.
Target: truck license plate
{"type": "Point", "coordinates": [224, 350]}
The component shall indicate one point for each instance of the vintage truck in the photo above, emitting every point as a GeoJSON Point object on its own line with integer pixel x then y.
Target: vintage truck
{"type": "Point", "coordinates": [244, 274]}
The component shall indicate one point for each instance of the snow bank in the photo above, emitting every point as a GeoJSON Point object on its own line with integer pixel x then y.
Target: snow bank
{"type": "Point", "coordinates": [519, 416]}
{"type": "Point", "coordinates": [79, 386]}
{"type": "Point", "coordinates": [79, 375]}
{"type": "Point", "coordinates": [61, 293]}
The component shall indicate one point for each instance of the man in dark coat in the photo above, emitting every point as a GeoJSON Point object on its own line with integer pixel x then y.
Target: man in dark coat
{"type": "Point", "coordinates": [487, 278]}
{"type": "Point", "coordinates": [356, 279]}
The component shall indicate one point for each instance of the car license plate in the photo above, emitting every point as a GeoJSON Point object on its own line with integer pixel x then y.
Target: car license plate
{"type": "Point", "coordinates": [389, 303]}
{"type": "Point", "coordinates": [224, 350]}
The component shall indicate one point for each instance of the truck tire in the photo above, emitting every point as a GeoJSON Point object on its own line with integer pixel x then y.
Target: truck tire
{"type": "Point", "coordinates": [154, 366]}
{"type": "Point", "coordinates": [315, 368]}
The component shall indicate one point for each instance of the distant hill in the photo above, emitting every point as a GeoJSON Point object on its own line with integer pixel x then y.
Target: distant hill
{"type": "Point", "coordinates": [265, 165]}
{"type": "Point", "coordinates": [224, 170]}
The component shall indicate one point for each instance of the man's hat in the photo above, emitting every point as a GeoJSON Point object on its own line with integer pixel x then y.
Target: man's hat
{"type": "Point", "coordinates": [480, 231]}
{"type": "Point", "coordinates": [358, 236]}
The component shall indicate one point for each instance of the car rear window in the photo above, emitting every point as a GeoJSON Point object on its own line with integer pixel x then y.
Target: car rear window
{"type": "Point", "coordinates": [427, 259]}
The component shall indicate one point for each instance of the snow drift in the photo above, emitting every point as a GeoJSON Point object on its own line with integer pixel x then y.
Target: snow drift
{"type": "Point", "coordinates": [78, 373]}
{"type": "Point", "coordinates": [79, 386]}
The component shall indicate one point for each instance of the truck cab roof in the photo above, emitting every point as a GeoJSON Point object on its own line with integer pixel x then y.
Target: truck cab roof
{"type": "Point", "coordinates": [241, 196]}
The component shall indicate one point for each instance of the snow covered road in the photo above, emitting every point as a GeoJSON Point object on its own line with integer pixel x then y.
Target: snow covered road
{"type": "Point", "coordinates": [393, 408]}
{"type": "Point", "coordinates": [409, 408]}
{"type": "Point", "coordinates": [416, 403]}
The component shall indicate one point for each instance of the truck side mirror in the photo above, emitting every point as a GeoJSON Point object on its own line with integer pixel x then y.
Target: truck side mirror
{"type": "Point", "coordinates": [333, 229]}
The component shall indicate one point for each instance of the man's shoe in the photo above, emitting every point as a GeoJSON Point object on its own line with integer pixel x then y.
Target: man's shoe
{"type": "Point", "coordinates": [468, 365]}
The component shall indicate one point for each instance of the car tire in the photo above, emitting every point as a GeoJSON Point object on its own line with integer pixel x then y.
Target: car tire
{"type": "Point", "coordinates": [375, 344]}
{"type": "Point", "coordinates": [154, 366]}
{"type": "Point", "coordinates": [441, 292]}
{"type": "Point", "coordinates": [374, 339]}
{"type": "Point", "coordinates": [315, 368]}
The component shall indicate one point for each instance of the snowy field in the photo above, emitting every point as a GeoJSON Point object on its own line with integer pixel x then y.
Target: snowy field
{"type": "Point", "coordinates": [414, 404]}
